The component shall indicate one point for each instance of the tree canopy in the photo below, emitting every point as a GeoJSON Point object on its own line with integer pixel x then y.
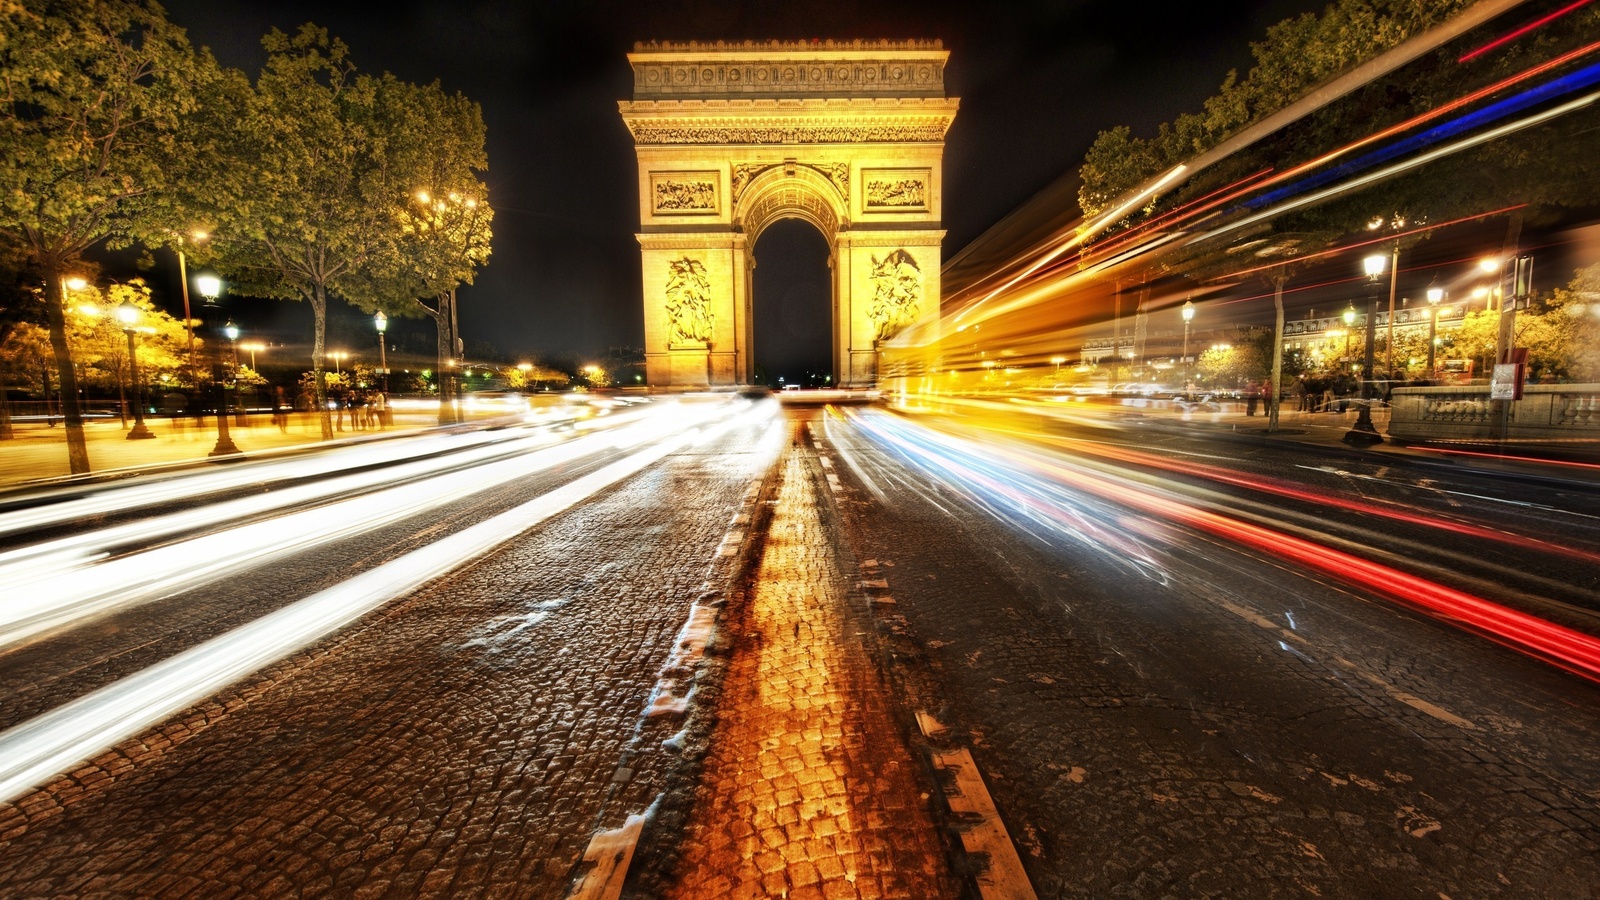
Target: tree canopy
{"type": "Point", "coordinates": [313, 192]}
{"type": "Point", "coordinates": [96, 94]}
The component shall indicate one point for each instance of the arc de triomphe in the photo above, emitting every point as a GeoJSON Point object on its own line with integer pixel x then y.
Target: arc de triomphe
{"type": "Point", "coordinates": [848, 136]}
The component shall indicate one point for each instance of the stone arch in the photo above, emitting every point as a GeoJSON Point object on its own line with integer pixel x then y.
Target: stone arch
{"type": "Point", "coordinates": [797, 192]}
{"type": "Point", "coordinates": [848, 136]}
{"type": "Point", "coordinates": [793, 192]}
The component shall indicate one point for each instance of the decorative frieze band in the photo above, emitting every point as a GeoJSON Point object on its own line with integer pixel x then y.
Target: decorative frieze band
{"type": "Point", "coordinates": [647, 133]}
{"type": "Point", "coordinates": [803, 76]}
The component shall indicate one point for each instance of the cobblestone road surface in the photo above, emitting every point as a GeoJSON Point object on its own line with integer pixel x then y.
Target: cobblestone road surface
{"type": "Point", "coordinates": [1207, 722]}
{"type": "Point", "coordinates": [809, 790]}
{"type": "Point", "coordinates": [463, 742]}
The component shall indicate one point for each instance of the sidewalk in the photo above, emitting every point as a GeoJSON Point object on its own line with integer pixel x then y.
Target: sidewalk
{"type": "Point", "coordinates": [37, 451]}
{"type": "Point", "coordinates": [1327, 430]}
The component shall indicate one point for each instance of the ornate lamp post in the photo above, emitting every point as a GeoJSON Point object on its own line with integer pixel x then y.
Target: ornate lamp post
{"type": "Point", "coordinates": [381, 322]}
{"type": "Point", "coordinates": [1435, 294]}
{"type": "Point", "coordinates": [232, 331]}
{"type": "Point", "coordinates": [1349, 323]}
{"type": "Point", "coordinates": [128, 315]}
{"type": "Point", "coordinates": [1363, 431]}
{"type": "Point", "coordinates": [1188, 316]}
{"type": "Point", "coordinates": [211, 288]}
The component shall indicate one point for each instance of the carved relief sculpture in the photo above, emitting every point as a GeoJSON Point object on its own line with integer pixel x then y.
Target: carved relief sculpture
{"type": "Point", "coordinates": [684, 195]}
{"type": "Point", "coordinates": [896, 292]}
{"type": "Point", "coordinates": [688, 303]}
{"type": "Point", "coordinates": [896, 192]}
{"type": "Point", "coordinates": [836, 172]}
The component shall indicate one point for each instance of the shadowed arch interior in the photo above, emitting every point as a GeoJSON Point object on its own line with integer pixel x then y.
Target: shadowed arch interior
{"type": "Point", "coordinates": [793, 304]}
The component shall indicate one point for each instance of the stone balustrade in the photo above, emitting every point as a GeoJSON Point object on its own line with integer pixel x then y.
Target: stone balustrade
{"type": "Point", "coordinates": [1559, 416]}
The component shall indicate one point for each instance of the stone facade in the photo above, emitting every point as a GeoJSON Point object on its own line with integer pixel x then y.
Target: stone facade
{"type": "Point", "coordinates": [731, 138]}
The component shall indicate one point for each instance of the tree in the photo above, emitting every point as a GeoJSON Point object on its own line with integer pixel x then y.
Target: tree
{"type": "Point", "coordinates": [95, 94]}
{"type": "Point", "coordinates": [442, 215]}
{"type": "Point", "coordinates": [1296, 55]}
{"type": "Point", "coordinates": [100, 344]}
{"type": "Point", "coordinates": [304, 197]}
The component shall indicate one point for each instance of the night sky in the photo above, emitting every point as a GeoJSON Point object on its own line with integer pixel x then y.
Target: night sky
{"type": "Point", "coordinates": [1036, 80]}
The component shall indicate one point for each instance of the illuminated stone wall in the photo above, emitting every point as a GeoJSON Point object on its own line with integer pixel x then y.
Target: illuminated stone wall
{"type": "Point", "coordinates": [731, 138]}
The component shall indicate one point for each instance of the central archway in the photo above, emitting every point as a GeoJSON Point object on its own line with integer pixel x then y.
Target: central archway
{"type": "Point", "coordinates": [732, 138]}
{"type": "Point", "coordinates": [792, 305]}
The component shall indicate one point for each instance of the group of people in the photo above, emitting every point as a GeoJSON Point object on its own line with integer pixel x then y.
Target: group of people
{"type": "Point", "coordinates": [367, 410]}
{"type": "Point", "coordinates": [1323, 394]}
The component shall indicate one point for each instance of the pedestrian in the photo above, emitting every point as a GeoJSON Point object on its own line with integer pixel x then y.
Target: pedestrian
{"type": "Point", "coordinates": [358, 411]}
{"type": "Point", "coordinates": [339, 399]}
{"type": "Point", "coordinates": [1252, 393]}
{"type": "Point", "coordinates": [173, 406]}
{"type": "Point", "coordinates": [280, 410]}
{"type": "Point", "coordinates": [379, 408]}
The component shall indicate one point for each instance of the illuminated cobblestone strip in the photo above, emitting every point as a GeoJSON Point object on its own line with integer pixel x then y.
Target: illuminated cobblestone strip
{"type": "Point", "coordinates": [808, 789]}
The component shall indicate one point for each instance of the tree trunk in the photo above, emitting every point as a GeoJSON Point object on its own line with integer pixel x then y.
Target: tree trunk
{"type": "Point", "coordinates": [441, 330]}
{"type": "Point", "coordinates": [6, 432]}
{"type": "Point", "coordinates": [448, 349]}
{"type": "Point", "coordinates": [72, 414]}
{"type": "Point", "coordinates": [319, 310]}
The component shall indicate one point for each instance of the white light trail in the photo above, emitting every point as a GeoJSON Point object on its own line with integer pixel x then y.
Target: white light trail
{"type": "Point", "coordinates": [37, 750]}
{"type": "Point", "coordinates": [69, 584]}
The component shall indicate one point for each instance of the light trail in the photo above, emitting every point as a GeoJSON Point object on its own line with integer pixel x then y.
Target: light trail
{"type": "Point", "coordinates": [1531, 26]}
{"type": "Point", "coordinates": [1280, 488]}
{"type": "Point", "coordinates": [1221, 197]}
{"type": "Point", "coordinates": [1037, 489]}
{"type": "Point", "coordinates": [65, 585]}
{"type": "Point", "coordinates": [1398, 168]}
{"type": "Point", "coordinates": [35, 751]}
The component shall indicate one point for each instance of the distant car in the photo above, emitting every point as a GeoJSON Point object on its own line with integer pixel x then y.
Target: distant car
{"type": "Point", "coordinates": [791, 387]}
{"type": "Point", "coordinates": [509, 401]}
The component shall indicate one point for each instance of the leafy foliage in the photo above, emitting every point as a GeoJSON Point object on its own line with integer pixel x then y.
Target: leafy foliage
{"type": "Point", "coordinates": [1296, 55]}
{"type": "Point", "coordinates": [96, 92]}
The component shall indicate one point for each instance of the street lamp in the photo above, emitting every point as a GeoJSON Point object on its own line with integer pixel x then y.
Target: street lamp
{"type": "Point", "coordinates": [211, 288]}
{"type": "Point", "coordinates": [253, 347]}
{"type": "Point", "coordinates": [183, 278]}
{"type": "Point", "coordinates": [128, 315]}
{"type": "Point", "coordinates": [337, 356]}
{"type": "Point", "coordinates": [1349, 323]}
{"type": "Point", "coordinates": [1058, 360]}
{"type": "Point", "coordinates": [1363, 431]}
{"type": "Point", "coordinates": [381, 322]}
{"type": "Point", "coordinates": [1188, 316]}
{"type": "Point", "coordinates": [1435, 294]}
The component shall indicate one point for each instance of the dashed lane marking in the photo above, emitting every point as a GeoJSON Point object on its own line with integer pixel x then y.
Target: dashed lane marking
{"type": "Point", "coordinates": [608, 856]}
{"type": "Point", "coordinates": [982, 833]}
{"type": "Point", "coordinates": [1411, 700]}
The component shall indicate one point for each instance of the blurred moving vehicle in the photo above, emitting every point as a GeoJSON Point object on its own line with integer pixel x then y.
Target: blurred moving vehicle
{"type": "Point", "coordinates": [497, 401]}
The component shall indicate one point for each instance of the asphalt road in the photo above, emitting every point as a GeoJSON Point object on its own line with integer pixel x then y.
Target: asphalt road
{"type": "Point", "coordinates": [1172, 697]}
